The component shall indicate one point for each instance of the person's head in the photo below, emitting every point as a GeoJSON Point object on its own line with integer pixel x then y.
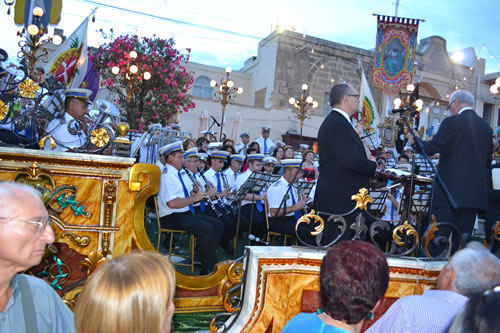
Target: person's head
{"type": "Point", "coordinates": [245, 138]}
{"type": "Point", "coordinates": [381, 162]}
{"type": "Point", "coordinates": [237, 162]}
{"type": "Point", "coordinates": [25, 227]}
{"type": "Point", "coordinates": [288, 152]}
{"type": "Point", "coordinates": [188, 144]}
{"type": "Point", "coordinates": [255, 162]}
{"type": "Point", "coordinates": [403, 159]}
{"type": "Point", "coordinates": [202, 143]}
{"type": "Point", "coordinates": [251, 150]}
{"type": "Point", "coordinates": [230, 149]}
{"type": "Point", "coordinates": [77, 103]}
{"type": "Point", "coordinates": [265, 131]}
{"type": "Point", "coordinates": [217, 160]}
{"type": "Point", "coordinates": [174, 155]}
{"type": "Point", "coordinates": [269, 164]}
{"type": "Point", "coordinates": [470, 271]}
{"type": "Point", "coordinates": [409, 151]}
{"type": "Point", "coordinates": [191, 159]}
{"type": "Point", "coordinates": [460, 99]}
{"type": "Point", "coordinates": [278, 152]}
{"type": "Point", "coordinates": [255, 145]}
{"type": "Point", "coordinates": [480, 314]}
{"type": "Point", "coordinates": [130, 293]}
{"type": "Point", "coordinates": [228, 142]}
{"type": "Point", "coordinates": [344, 97]}
{"type": "Point", "coordinates": [202, 162]}
{"type": "Point", "coordinates": [308, 156]}
{"type": "Point", "coordinates": [292, 170]}
{"type": "Point", "coordinates": [354, 276]}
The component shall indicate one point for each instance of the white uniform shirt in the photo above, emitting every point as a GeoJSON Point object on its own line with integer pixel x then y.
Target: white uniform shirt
{"type": "Point", "coordinates": [231, 177]}
{"type": "Point", "coordinates": [275, 195]}
{"type": "Point", "coordinates": [390, 212]}
{"type": "Point", "coordinates": [269, 142]}
{"type": "Point", "coordinates": [211, 177]}
{"type": "Point", "coordinates": [242, 178]}
{"type": "Point", "coordinates": [241, 148]}
{"type": "Point", "coordinates": [58, 130]}
{"type": "Point", "coordinates": [170, 189]}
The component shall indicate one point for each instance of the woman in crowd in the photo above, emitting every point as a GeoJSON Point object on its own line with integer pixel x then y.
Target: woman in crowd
{"type": "Point", "coordinates": [255, 145]}
{"type": "Point", "coordinates": [131, 293]}
{"type": "Point", "coordinates": [310, 171]}
{"type": "Point", "coordinates": [354, 277]}
{"type": "Point", "coordinates": [250, 150]}
{"type": "Point", "coordinates": [188, 144]}
{"type": "Point", "coordinates": [228, 142]}
{"type": "Point", "coordinates": [202, 144]}
{"type": "Point", "coordinates": [278, 153]}
{"type": "Point", "coordinates": [480, 314]}
{"type": "Point", "coordinates": [288, 152]}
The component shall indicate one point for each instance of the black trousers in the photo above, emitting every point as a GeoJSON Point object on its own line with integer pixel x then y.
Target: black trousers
{"type": "Point", "coordinates": [207, 230]}
{"type": "Point", "coordinates": [254, 223]}
{"type": "Point", "coordinates": [286, 225]}
{"type": "Point", "coordinates": [227, 220]}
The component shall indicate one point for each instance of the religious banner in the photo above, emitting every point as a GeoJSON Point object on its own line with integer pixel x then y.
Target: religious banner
{"type": "Point", "coordinates": [394, 53]}
{"type": "Point", "coordinates": [69, 62]}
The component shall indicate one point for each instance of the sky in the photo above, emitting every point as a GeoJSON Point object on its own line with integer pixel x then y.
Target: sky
{"type": "Point", "coordinates": [225, 33]}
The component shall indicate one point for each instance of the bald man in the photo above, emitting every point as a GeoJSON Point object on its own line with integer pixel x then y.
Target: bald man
{"type": "Point", "coordinates": [27, 304]}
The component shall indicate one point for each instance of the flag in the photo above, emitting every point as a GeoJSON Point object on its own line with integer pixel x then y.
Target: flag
{"type": "Point", "coordinates": [91, 80]}
{"type": "Point", "coordinates": [69, 62]}
{"type": "Point", "coordinates": [428, 133]}
{"type": "Point", "coordinates": [368, 115]}
{"type": "Point", "coordinates": [23, 12]}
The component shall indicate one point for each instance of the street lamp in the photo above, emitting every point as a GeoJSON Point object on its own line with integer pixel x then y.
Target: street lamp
{"type": "Point", "coordinates": [411, 101]}
{"type": "Point", "coordinates": [495, 88]}
{"type": "Point", "coordinates": [132, 76]}
{"type": "Point", "coordinates": [225, 94]}
{"type": "Point", "coordinates": [302, 106]}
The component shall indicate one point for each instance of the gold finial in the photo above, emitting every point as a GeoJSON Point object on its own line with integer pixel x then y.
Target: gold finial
{"type": "Point", "coordinates": [404, 229]}
{"type": "Point", "coordinates": [123, 129]}
{"type": "Point", "coordinates": [362, 199]}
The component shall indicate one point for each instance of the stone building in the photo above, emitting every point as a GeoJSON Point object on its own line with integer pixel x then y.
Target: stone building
{"type": "Point", "coordinates": [285, 61]}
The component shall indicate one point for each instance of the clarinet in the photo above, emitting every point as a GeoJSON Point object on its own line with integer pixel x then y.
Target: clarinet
{"type": "Point", "coordinates": [219, 200]}
{"type": "Point", "coordinates": [207, 199]}
{"type": "Point", "coordinates": [226, 185]}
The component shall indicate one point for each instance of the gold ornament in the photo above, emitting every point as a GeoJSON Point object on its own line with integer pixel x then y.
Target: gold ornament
{"type": "Point", "coordinates": [404, 229]}
{"type": "Point", "coordinates": [362, 198]}
{"type": "Point", "coordinates": [99, 137]}
{"type": "Point", "coordinates": [41, 143]}
{"type": "Point", "coordinates": [123, 128]}
{"type": "Point", "coordinates": [4, 110]}
{"type": "Point", "coordinates": [28, 88]}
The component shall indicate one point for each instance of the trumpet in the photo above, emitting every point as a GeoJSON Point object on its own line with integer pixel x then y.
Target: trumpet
{"type": "Point", "coordinates": [217, 197]}
{"type": "Point", "coordinates": [198, 188]}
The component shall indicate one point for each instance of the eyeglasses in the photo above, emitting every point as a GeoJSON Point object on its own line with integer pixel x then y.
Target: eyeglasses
{"type": "Point", "coordinates": [449, 105]}
{"type": "Point", "coordinates": [354, 95]}
{"type": "Point", "coordinates": [40, 225]}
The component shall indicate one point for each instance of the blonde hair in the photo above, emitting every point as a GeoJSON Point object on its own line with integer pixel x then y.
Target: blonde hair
{"type": "Point", "coordinates": [130, 293]}
{"type": "Point", "coordinates": [305, 152]}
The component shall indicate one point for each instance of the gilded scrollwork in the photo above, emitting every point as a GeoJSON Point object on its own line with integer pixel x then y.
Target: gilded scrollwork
{"type": "Point", "coordinates": [93, 261]}
{"type": "Point", "coordinates": [404, 230]}
{"type": "Point", "coordinates": [496, 232]}
{"type": "Point", "coordinates": [80, 241]}
{"type": "Point", "coordinates": [362, 199]}
{"type": "Point", "coordinates": [109, 199]}
{"type": "Point", "coordinates": [430, 236]}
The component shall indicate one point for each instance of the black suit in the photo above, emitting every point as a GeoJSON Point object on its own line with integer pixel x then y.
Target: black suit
{"type": "Point", "coordinates": [344, 167]}
{"type": "Point", "coordinates": [465, 148]}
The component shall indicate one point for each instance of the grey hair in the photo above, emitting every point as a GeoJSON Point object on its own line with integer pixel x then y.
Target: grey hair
{"type": "Point", "coordinates": [338, 92]}
{"type": "Point", "coordinates": [463, 97]}
{"type": "Point", "coordinates": [476, 269]}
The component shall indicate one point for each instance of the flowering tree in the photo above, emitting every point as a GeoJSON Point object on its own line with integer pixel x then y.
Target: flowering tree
{"type": "Point", "coordinates": [151, 83]}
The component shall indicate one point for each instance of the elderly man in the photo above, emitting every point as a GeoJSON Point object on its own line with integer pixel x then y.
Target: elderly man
{"type": "Point", "coordinates": [241, 148]}
{"type": "Point", "coordinates": [264, 141]}
{"type": "Point", "coordinates": [469, 271]}
{"type": "Point", "coordinates": [27, 304]}
{"type": "Point", "coordinates": [463, 142]}
{"type": "Point", "coordinates": [68, 133]}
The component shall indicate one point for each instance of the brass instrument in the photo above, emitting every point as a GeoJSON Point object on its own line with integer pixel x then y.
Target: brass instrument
{"type": "Point", "coordinates": [207, 198]}
{"type": "Point", "coordinates": [217, 197]}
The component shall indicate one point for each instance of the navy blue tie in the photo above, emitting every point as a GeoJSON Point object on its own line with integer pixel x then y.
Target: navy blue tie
{"type": "Point", "coordinates": [186, 193]}
{"type": "Point", "coordinates": [296, 213]}
{"type": "Point", "coordinates": [219, 185]}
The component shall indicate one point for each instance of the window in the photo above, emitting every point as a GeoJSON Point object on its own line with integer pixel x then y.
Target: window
{"type": "Point", "coordinates": [201, 88]}
{"type": "Point", "coordinates": [487, 110]}
{"type": "Point", "coordinates": [326, 105]}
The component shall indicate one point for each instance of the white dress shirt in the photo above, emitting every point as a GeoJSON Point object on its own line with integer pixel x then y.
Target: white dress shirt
{"type": "Point", "coordinates": [58, 130]}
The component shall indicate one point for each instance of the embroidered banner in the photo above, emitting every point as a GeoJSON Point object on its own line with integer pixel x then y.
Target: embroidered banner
{"type": "Point", "coordinates": [395, 53]}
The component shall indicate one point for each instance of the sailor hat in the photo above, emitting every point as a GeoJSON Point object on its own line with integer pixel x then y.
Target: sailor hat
{"type": "Point", "coordinates": [409, 148]}
{"type": "Point", "coordinates": [203, 156]}
{"type": "Point", "coordinates": [173, 147]}
{"type": "Point", "coordinates": [255, 157]}
{"type": "Point", "coordinates": [269, 160]}
{"type": "Point", "coordinates": [291, 163]}
{"type": "Point", "coordinates": [266, 128]}
{"type": "Point", "coordinates": [193, 152]}
{"type": "Point", "coordinates": [223, 155]}
{"type": "Point", "coordinates": [246, 133]}
{"type": "Point", "coordinates": [82, 94]}
{"type": "Point", "coordinates": [237, 157]}
{"type": "Point", "coordinates": [304, 146]}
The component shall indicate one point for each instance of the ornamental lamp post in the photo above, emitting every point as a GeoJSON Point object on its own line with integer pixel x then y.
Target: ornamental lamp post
{"type": "Point", "coordinates": [131, 74]}
{"type": "Point", "coordinates": [495, 88]}
{"type": "Point", "coordinates": [302, 106]}
{"type": "Point", "coordinates": [225, 94]}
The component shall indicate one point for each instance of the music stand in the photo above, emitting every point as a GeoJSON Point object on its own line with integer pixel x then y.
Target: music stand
{"type": "Point", "coordinates": [255, 183]}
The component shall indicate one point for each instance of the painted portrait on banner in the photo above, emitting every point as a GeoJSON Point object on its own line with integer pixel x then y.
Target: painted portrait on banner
{"type": "Point", "coordinates": [394, 53]}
